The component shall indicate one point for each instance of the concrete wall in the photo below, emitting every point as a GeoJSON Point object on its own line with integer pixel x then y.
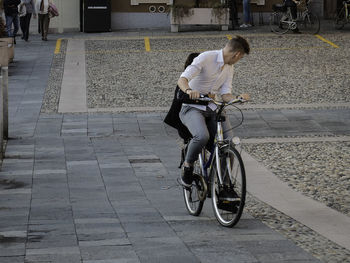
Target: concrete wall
{"type": "Point", "coordinates": [122, 21]}
{"type": "Point", "coordinates": [317, 7]}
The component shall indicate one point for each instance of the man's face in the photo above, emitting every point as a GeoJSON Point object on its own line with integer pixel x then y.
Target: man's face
{"type": "Point", "coordinates": [235, 57]}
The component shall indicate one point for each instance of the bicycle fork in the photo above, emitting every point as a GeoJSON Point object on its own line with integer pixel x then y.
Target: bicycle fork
{"type": "Point", "coordinates": [219, 138]}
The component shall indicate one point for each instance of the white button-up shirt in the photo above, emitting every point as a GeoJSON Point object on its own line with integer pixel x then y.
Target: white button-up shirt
{"type": "Point", "coordinates": [209, 74]}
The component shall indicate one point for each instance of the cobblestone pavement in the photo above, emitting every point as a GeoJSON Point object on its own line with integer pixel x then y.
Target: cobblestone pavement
{"type": "Point", "coordinates": [101, 187]}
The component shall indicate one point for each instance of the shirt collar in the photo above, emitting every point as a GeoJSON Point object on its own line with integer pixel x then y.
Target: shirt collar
{"type": "Point", "coordinates": [220, 57]}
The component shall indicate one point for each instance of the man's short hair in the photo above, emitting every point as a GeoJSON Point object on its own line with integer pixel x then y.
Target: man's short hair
{"type": "Point", "coordinates": [238, 43]}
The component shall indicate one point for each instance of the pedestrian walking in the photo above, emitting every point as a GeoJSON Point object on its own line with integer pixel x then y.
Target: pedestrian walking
{"type": "Point", "coordinates": [11, 15]}
{"type": "Point", "coordinates": [42, 9]}
{"type": "Point", "coordinates": [25, 17]}
{"type": "Point", "coordinates": [246, 14]}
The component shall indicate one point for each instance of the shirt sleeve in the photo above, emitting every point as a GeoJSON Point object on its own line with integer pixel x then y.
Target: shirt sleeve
{"type": "Point", "coordinates": [226, 88]}
{"type": "Point", "coordinates": [195, 68]}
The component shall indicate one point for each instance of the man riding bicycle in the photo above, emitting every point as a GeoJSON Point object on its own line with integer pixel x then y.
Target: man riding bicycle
{"type": "Point", "coordinates": [211, 74]}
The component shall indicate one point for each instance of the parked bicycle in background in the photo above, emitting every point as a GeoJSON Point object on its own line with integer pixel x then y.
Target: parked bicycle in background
{"type": "Point", "coordinates": [281, 19]}
{"type": "Point", "coordinates": [343, 16]}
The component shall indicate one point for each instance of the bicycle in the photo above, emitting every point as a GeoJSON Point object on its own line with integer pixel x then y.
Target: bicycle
{"type": "Point", "coordinates": [281, 20]}
{"type": "Point", "coordinates": [220, 170]}
{"type": "Point", "coordinates": [343, 16]}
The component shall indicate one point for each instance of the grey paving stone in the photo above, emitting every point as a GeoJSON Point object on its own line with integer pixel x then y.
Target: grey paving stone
{"type": "Point", "coordinates": [14, 259]}
{"type": "Point", "coordinates": [287, 252]}
{"type": "Point", "coordinates": [53, 258]}
{"type": "Point", "coordinates": [147, 229]}
{"type": "Point", "coordinates": [16, 252]}
{"type": "Point", "coordinates": [117, 253]}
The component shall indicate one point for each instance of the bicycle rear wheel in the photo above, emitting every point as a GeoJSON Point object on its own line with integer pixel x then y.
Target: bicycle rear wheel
{"type": "Point", "coordinates": [279, 23]}
{"type": "Point", "coordinates": [310, 24]}
{"type": "Point", "coordinates": [195, 196]}
{"type": "Point", "coordinates": [340, 20]}
{"type": "Point", "coordinates": [228, 207]}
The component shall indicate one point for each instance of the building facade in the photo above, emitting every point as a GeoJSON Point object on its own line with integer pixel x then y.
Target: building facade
{"type": "Point", "coordinates": [139, 14]}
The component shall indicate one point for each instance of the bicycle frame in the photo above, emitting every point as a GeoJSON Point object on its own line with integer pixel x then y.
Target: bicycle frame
{"type": "Point", "coordinates": [219, 142]}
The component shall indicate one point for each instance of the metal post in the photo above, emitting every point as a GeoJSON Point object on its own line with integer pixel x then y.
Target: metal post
{"type": "Point", "coordinates": [5, 75]}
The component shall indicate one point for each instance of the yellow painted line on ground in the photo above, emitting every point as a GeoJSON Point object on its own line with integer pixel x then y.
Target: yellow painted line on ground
{"type": "Point", "coordinates": [147, 44]}
{"type": "Point", "coordinates": [229, 37]}
{"type": "Point", "coordinates": [327, 41]}
{"type": "Point", "coordinates": [58, 46]}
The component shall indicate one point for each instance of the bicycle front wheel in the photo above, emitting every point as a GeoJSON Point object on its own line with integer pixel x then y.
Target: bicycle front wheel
{"type": "Point", "coordinates": [195, 196]}
{"type": "Point", "coordinates": [279, 23]}
{"type": "Point", "coordinates": [228, 198]}
{"type": "Point", "coordinates": [340, 20]}
{"type": "Point", "coordinates": [310, 24]}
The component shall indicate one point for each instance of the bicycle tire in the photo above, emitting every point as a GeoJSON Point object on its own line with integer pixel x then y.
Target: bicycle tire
{"type": "Point", "coordinates": [195, 196]}
{"type": "Point", "coordinates": [277, 25]}
{"type": "Point", "coordinates": [340, 19]}
{"type": "Point", "coordinates": [310, 24]}
{"type": "Point", "coordinates": [228, 213]}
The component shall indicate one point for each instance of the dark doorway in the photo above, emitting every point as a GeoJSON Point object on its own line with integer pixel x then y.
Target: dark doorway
{"type": "Point", "coordinates": [331, 7]}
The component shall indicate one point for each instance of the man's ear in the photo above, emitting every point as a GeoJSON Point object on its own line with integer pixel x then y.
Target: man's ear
{"type": "Point", "coordinates": [236, 53]}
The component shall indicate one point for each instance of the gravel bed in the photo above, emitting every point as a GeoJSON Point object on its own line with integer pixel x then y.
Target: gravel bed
{"type": "Point", "coordinates": [53, 90]}
{"type": "Point", "coordinates": [319, 170]}
{"type": "Point", "coordinates": [121, 74]}
{"type": "Point", "coordinates": [130, 79]}
{"type": "Point", "coordinates": [317, 245]}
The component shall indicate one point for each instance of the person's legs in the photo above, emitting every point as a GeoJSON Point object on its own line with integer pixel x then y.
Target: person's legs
{"type": "Point", "coordinates": [201, 124]}
{"type": "Point", "coordinates": [294, 12]}
{"type": "Point", "coordinates": [15, 25]}
{"type": "Point", "coordinates": [27, 25]}
{"type": "Point", "coordinates": [246, 11]}
{"type": "Point", "coordinates": [194, 120]}
{"type": "Point", "coordinates": [41, 21]}
{"type": "Point", "coordinates": [293, 8]}
{"type": "Point", "coordinates": [9, 21]}
{"type": "Point", "coordinates": [45, 28]}
{"type": "Point", "coordinates": [22, 21]}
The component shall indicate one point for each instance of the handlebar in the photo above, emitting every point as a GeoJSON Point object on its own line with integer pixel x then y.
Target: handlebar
{"type": "Point", "coordinates": [239, 99]}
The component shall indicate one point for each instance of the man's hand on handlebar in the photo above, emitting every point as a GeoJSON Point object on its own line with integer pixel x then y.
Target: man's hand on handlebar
{"type": "Point", "coordinates": [193, 94]}
{"type": "Point", "coordinates": [245, 96]}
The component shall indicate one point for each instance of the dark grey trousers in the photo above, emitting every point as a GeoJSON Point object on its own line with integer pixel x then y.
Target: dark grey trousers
{"type": "Point", "coordinates": [202, 125]}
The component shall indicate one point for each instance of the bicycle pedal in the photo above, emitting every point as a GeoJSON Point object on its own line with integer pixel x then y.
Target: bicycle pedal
{"type": "Point", "coordinates": [229, 199]}
{"type": "Point", "coordinates": [228, 206]}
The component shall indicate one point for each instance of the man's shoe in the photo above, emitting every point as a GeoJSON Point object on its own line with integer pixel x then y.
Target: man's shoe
{"type": "Point", "coordinates": [244, 25]}
{"type": "Point", "coordinates": [186, 177]}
